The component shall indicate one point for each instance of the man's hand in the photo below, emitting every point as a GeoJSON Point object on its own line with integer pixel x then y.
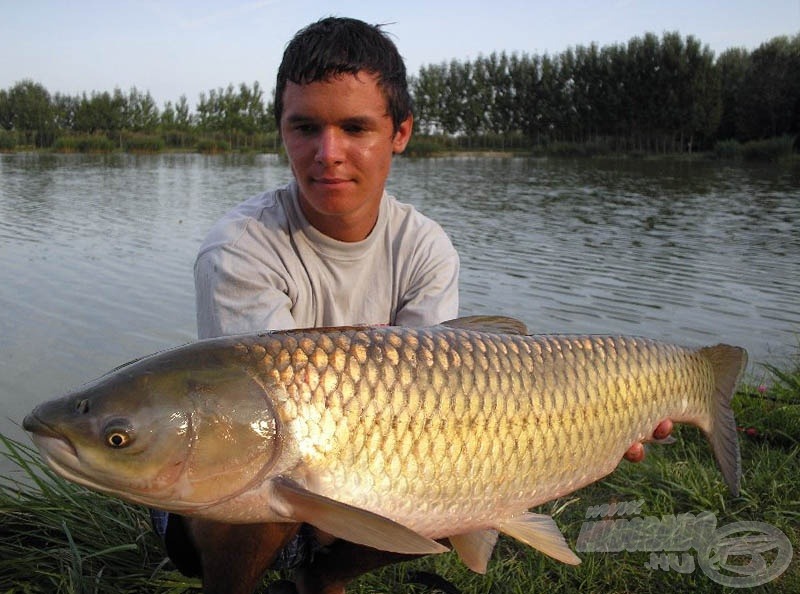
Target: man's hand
{"type": "Point", "coordinates": [636, 452]}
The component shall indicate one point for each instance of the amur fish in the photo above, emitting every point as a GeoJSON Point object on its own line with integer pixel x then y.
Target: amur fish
{"type": "Point", "coordinates": [391, 437]}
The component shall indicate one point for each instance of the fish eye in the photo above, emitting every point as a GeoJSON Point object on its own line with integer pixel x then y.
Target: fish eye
{"type": "Point", "coordinates": [117, 439]}
{"type": "Point", "coordinates": [118, 435]}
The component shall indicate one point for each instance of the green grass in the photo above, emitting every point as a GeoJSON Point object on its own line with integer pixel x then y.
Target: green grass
{"type": "Point", "coordinates": [56, 537]}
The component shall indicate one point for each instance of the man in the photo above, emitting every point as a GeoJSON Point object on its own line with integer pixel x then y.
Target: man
{"type": "Point", "coordinates": [331, 248]}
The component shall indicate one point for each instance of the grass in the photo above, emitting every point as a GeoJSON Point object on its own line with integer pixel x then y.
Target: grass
{"type": "Point", "coordinates": [57, 537]}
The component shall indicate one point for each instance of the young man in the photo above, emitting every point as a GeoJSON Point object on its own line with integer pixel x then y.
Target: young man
{"type": "Point", "coordinates": [330, 248]}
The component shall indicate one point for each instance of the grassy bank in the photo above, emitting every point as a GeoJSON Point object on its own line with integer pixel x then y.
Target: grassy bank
{"type": "Point", "coordinates": [773, 150]}
{"type": "Point", "coordinates": [58, 537]}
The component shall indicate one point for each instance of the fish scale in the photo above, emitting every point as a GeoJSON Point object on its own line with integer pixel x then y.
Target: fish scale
{"type": "Point", "coordinates": [463, 422]}
{"type": "Point", "coordinates": [389, 437]}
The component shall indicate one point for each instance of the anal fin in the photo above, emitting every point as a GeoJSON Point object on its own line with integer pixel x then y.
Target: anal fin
{"type": "Point", "coordinates": [475, 548]}
{"type": "Point", "coordinates": [540, 532]}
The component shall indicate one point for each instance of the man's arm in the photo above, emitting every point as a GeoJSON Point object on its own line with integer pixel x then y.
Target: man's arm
{"type": "Point", "coordinates": [432, 295]}
{"type": "Point", "coordinates": [237, 294]}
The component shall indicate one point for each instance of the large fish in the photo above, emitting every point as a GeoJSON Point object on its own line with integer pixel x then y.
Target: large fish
{"type": "Point", "coordinates": [386, 436]}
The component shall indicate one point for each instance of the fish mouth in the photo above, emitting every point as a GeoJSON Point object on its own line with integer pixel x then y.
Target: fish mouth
{"type": "Point", "coordinates": [55, 448]}
{"type": "Point", "coordinates": [33, 424]}
{"type": "Point", "coordinates": [47, 439]}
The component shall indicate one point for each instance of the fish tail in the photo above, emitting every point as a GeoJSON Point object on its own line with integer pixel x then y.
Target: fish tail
{"type": "Point", "coordinates": [727, 363]}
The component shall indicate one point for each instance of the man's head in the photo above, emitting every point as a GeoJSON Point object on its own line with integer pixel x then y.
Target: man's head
{"type": "Point", "coordinates": [336, 46]}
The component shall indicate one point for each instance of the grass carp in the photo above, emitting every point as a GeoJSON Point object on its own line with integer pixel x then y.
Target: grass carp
{"type": "Point", "coordinates": [387, 436]}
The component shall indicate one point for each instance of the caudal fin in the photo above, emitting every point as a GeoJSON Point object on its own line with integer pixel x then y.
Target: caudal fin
{"type": "Point", "coordinates": [728, 363]}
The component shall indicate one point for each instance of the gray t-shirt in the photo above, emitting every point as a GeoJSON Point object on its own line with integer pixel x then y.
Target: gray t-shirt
{"type": "Point", "coordinates": [264, 267]}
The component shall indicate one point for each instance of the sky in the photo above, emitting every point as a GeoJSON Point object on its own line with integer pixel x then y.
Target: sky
{"type": "Point", "coordinates": [185, 47]}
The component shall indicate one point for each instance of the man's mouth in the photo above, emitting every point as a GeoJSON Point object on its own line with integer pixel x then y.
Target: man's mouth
{"type": "Point", "coordinates": [331, 181]}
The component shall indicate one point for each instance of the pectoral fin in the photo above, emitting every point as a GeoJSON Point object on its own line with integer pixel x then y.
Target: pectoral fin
{"type": "Point", "coordinates": [540, 532]}
{"type": "Point", "coordinates": [293, 502]}
{"type": "Point", "coordinates": [475, 548]}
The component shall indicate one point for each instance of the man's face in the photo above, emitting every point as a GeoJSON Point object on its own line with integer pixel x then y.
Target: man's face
{"type": "Point", "coordinates": [340, 140]}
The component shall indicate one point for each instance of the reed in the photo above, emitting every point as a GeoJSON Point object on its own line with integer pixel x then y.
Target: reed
{"type": "Point", "coordinates": [209, 146]}
{"type": "Point", "coordinates": [771, 150]}
{"type": "Point", "coordinates": [84, 143]}
{"type": "Point", "coordinates": [143, 143]}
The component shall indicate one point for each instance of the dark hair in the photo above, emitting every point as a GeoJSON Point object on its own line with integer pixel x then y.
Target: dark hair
{"type": "Point", "coordinates": [335, 46]}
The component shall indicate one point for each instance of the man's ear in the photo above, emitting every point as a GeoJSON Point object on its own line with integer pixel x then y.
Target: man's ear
{"type": "Point", "coordinates": [403, 135]}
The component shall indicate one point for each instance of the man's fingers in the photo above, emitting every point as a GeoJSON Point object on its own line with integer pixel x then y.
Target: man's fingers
{"type": "Point", "coordinates": [663, 429]}
{"type": "Point", "coordinates": [635, 453]}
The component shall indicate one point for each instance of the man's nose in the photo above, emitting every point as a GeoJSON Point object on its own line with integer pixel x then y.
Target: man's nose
{"type": "Point", "coordinates": [330, 147]}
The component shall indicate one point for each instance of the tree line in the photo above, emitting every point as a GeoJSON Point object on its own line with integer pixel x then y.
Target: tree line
{"type": "Point", "coordinates": [667, 93]}
{"type": "Point", "coordinates": [650, 94]}
{"type": "Point", "coordinates": [237, 115]}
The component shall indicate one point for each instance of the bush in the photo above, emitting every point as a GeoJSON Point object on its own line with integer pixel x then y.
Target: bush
{"type": "Point", "coordinates": [8, 140]}
{"type": "Point", "coordinates": [209, 146]}
{"type": "Point", "coordinates": [179, 139]}
{"type": "Point", "coordinates": [771, 149]}
{"type": "Point", "coordinates": [728, 149]}
{"type": "Point", "coordinates": [84, 143]}
{"type": "Point", "coordinates": [143, 143]}
{"type": "Point", "coordinates": [423, 148]}
{"type": "Point", "coordinates": [267, 142]}
{"type": "Point", "coordinates": [576, 149]}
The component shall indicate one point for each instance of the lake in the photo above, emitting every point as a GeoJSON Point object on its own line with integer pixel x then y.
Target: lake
{"type": "Point", "coordinates": [96, 252]}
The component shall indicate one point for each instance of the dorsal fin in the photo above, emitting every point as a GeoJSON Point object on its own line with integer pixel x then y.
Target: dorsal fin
{"type": "Point", "coordinates": [497, 324]}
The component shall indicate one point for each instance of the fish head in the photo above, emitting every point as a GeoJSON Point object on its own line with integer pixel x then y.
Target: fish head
{"type": "Point", "coordinates": [172, 432]}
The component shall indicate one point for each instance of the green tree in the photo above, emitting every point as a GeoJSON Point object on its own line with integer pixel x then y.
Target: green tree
{"type": "Point", "coordinates": [65, 106]}
{"type": "Point", "coordinates": [428, 89]}
{"type": "Point", "coordinates": [6, 113]}
{"type": "Point", "coordinates": [140, 113]}
{"type": "Point", "coordinates": [768, 101]}
{"type": "Point", "coordinates": [732, 66]}
{"type": "Point", "coordinates": [238, 114]}
{"type": "Point", "coordinates": [101, 112]}
{"type": "Point", "coordinates": [29, 111]}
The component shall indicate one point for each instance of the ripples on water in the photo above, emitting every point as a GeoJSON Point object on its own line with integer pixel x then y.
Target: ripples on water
{"type": "Point", "coordinates": [688, 252]}
{"type": "Point", "coordinates": [96, 253]}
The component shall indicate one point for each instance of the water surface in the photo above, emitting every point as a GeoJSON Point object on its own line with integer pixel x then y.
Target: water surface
{"type": "Point", "coordinates": [96, 252]}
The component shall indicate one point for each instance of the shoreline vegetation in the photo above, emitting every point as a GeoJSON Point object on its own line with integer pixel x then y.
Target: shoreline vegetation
{"type": "Point", "coordinates": [57, 537]}
{"type": "Point", "coordinates": [772, 150]}
{"type": "Point", "coordinates": [668, 95]}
